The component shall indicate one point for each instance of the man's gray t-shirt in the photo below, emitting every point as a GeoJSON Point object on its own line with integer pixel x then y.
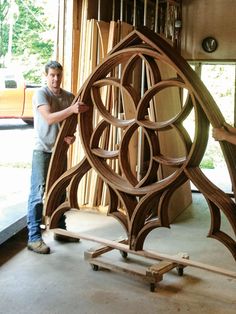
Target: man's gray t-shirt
{"type": "Point", "coordinates": [45, 135]}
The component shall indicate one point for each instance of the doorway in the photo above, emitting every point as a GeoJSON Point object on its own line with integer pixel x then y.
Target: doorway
{"type": "Point", "coordinates": [220, 81]}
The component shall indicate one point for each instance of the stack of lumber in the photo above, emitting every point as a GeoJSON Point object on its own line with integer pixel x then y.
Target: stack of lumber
{"type": "Point", "coordinates": [100, 38]}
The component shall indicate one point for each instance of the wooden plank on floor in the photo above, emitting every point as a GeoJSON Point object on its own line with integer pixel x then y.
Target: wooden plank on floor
{"type": "Point", "coordinates": [150, 254]}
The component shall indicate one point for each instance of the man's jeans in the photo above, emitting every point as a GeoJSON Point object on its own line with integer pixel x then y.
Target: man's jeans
{"type": "Point", "coordinates": [40, 164]}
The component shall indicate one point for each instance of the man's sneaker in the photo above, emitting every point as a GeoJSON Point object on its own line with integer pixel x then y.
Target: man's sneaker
{"type": "Point", "coordinates": [38, 247]}
{"type": "Point", "coordinates": [63, 238]}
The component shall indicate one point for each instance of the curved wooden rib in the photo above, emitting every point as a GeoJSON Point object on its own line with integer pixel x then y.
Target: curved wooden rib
{"type": "Point", "coordinates": [212, 193]}
{"type": "Point", "coordinates": [218, 201]}
{"type": "Point", "coordinates": [79, 171]}
{"type": "Point", "coordinates": [55, 217]}
{"type": "Point", "coordinates": [59, 156]}
{"type": "Point", "coordinates": [141, 224]}
{"type": "Point", "coordinates": [145, 200]}
{"type": "Point", "coordinates": [113, 210]}
{"type": "Point", "coordinates": [72, 177]}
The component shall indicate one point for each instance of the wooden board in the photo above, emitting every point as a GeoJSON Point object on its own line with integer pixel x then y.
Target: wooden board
{"type": "Point", "coordinates": [179, 259]}
{"type": "Point", "coordinates": [168, 104]}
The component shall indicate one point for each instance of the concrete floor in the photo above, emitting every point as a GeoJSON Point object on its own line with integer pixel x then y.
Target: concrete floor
{"type": "Point", "coordinates": [63, 282]}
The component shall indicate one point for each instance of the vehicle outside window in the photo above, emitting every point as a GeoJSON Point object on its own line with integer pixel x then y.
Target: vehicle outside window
{"type": "Point", "coordinates": [15, 96]}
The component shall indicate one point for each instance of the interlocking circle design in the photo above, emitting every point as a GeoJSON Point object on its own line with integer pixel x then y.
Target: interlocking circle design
{"type": "Point", "coordinates": [138, 139]}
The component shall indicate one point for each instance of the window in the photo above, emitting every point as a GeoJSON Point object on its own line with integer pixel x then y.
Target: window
{"type": "Point", "coordinates": [10, 83]}
{"type": "Point", "coordinates": [220, 81]}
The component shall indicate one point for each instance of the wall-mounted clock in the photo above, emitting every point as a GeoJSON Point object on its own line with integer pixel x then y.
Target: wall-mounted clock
{"type": "Point", "coordinates": [209, 44]}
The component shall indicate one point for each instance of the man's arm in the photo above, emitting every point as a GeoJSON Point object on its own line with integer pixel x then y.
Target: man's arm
{"type": "Point", "coordinates": [223, 134]}
{"type": "Point", "coordinates": [230, 128]}
{"type": "Point", "coordinates": [55, 117]}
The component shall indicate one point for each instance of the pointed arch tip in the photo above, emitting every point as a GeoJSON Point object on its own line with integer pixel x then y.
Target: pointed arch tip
{"type": "Point", "coordinates": [138, 36]}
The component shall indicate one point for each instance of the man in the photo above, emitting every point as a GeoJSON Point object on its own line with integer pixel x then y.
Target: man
{"type": "Point", "coordinates": [51, 105]}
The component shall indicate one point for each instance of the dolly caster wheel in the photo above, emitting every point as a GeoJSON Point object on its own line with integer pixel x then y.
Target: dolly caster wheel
{"type": "Point", "coordinates": [180, 271]}
{"type": "Point", "coordinates": [94, 267]}
{"type": "Point", "coordinates": [124, 254]}
{"type": "Point", "coordinates": [152, 287]}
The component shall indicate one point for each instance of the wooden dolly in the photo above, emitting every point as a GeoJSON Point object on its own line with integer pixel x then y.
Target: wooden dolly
{"type": "Point", "coordinates": [150, 274]}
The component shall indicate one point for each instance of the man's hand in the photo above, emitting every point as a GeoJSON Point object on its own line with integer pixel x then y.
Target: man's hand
{"type": "Point", "coordinates": [229, 128]}
{"type": "Point", "coordinates": [219, 134]}
{"type": "Point", "coordinates": [69, 139]}
{"type": "Point", "coordinates": [79, 107]}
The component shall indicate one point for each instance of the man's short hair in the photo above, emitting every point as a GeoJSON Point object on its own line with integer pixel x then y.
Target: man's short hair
{"type": "Point", "coordinates": [53, 65]}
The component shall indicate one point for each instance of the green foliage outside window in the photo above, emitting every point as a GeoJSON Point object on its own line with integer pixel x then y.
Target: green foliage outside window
{"type": "Point", "coordinates": [26, 37]}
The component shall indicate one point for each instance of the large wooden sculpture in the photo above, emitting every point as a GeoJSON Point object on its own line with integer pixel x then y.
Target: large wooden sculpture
{"type": "Point", "coordinates": [140, 203]}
